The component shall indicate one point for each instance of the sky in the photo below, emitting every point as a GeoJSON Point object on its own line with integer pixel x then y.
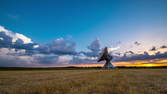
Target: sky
{"type": "Point", "coordinates": [70, 32]}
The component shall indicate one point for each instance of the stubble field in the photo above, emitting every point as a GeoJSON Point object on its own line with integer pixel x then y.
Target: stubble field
{"type": "Point", "coordinates": [116, 81]}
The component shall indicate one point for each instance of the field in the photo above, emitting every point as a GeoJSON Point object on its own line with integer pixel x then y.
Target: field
{"type": "Point", "coordinates": [90, 81]}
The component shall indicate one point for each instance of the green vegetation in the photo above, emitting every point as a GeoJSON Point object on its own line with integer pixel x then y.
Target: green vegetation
{"type": "Point", "coordinates": [116, 81]}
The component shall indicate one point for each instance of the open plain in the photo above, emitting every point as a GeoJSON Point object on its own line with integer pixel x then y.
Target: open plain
{"type": "Point", "coordinates": [91, 81]}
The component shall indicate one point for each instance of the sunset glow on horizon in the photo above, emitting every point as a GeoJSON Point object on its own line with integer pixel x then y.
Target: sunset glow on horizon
{"type": "Point", "coordinates": [139, 63]}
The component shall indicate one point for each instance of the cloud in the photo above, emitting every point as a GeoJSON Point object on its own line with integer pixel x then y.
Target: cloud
{"type": "Point", "coordinates": [137, 43]}
{"type": "Point", "coordinates": [51, 59]}
{"type": "Point", "coordinates": [89, 57]}
{"type": "Point", "coordinates": [17, 58]}
{"type": "Point", "coordinates": [66, 59]}
{"type": "Point", "coordinates": [13, 58]}
{"type": "Point", "coordinates": [129, 53]}
{"type": "Point", "coordinates": [113, 49]}
{"type": "Point", "coordinates": [144, 56]}
{"type": "Point", "coordinates": [163, 47]}
{"type": "Point", "coordinates": [11, 51]}
{"type": "Point", "coordinates": [83, 59]}
{"type": "Point", "coordinates": [18, 50]}
{"type": "Point", "coordinates": [94, 48]}
{"type": "Point", "coordinates": [14, 36]}
{"type": "Point", "coordinates": [153, 48]}
{"type": "Point", "coordinates": [59, 46]}
{"type": "Point", "coordinates": [45, 59]}
{"type": "Point", "coordinates": [25, 39]}
{"type": "Point", "coordinates": [9, 39]}
{"type": "Point", "coordinates": [153, 53]}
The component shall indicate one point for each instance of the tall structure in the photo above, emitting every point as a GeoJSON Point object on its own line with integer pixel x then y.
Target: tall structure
{"type": "Point", "coordinates": [105, 56]}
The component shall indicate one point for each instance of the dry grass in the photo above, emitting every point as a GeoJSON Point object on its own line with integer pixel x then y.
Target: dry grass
{"type": "Point", "coordinates": [117, 81]}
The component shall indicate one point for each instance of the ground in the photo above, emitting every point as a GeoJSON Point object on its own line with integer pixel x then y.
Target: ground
{"type": "Point", "coordinates": [116, 81]}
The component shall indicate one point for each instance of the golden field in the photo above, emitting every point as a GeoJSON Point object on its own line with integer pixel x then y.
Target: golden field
{"type": "Point", "coordinates": [116, 81]}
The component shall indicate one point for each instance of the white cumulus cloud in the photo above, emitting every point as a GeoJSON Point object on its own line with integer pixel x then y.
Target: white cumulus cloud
{"type": "Point", "coordinates": [14, 36]}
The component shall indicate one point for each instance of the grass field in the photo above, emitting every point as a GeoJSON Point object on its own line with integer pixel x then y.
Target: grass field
{"type": "Point", "coordinates": [116, 81]}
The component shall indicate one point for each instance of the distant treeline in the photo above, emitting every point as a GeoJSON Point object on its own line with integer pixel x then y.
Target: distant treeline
{"type": "Point", "coordinates": [74, 68]}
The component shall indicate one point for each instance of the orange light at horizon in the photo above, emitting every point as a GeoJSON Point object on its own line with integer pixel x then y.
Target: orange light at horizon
{"type": "Point", "coordinates": [137, 63]}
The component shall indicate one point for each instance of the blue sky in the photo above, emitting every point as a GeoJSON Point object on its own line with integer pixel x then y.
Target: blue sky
{"type": "Point", "coordinates": [84, 20]}
{"type": "Point", "coordinates": [115, 23]}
